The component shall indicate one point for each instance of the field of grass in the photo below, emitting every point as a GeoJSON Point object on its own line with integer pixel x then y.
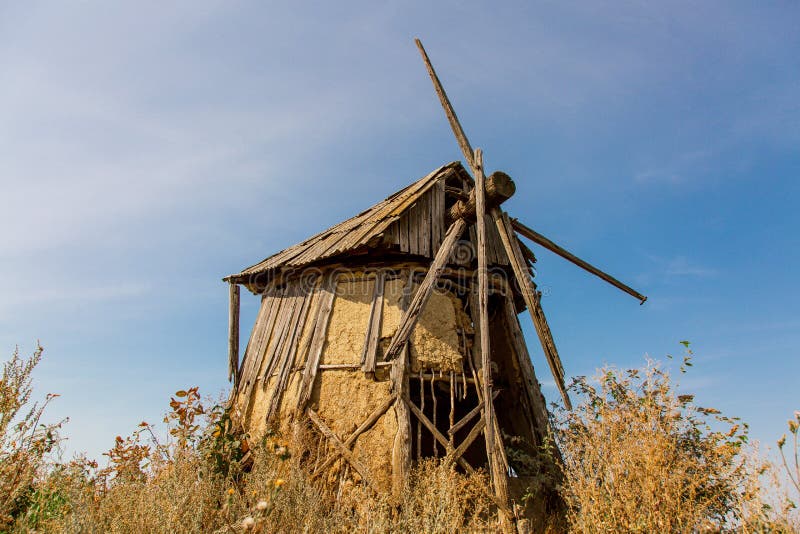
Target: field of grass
{"type": "Point", "coordinates": [634, 457]}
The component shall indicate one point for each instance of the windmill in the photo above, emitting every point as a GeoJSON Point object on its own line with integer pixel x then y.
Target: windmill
{"type": "Point", "coordinates": [363, 323]}
{"type": "Point", "coordinates": [506, 228]}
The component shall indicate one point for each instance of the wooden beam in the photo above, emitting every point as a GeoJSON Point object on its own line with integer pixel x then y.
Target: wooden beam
{"type": "Point", "coordinates": [531, 297]}
{"type": "Point", "coordinates": [370, 355]}
{"type": "Point", "coordinates": [344, 451]}
{"type": "Point", "coordinates": [498, 188]}
{"type": "Point", "coordinates": [363, 427]}
{"type": "Point", "coordinates": [493, 440]}
{"type": "Point", "coordinates": [233, 335]}
{"type": "Point", "coordinates": [467, 418]}
{"type": "Point", "coordinates": [421, 417]}
{"type": "Point", "coordinates": [401, 447]}
{"type": "Point", "coordinates": [462, 448]}
{"type": "Point", "coordinates": [539, 239]}
{"type": "Point", "coordinates": [318, 342]}
{"type": "Point", "coordinates": [411, 315]}
{"type": "Point", "coordinates": [461, 137]}
{"type": "Point", "coordinates": [537, 403]}
{"type": "Point", "coordinates": [289, 350]}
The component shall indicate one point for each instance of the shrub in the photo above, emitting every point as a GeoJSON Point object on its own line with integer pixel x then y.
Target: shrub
{"type": "Point", "coordinates": [24, 441]}
{"type": "Point", "coordinates": [638, 457]}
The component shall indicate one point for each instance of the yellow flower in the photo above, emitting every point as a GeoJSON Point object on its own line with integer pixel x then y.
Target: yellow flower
{"type": "Point", "coordinates": [279, 482]}
{"type": "Point", "coordinates": [230, 491]}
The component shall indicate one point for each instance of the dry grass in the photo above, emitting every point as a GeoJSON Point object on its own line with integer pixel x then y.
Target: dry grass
{"type": "Point", "coordinates": [640, 458]}
{"type": "Point", "coordinates": [636, 458]}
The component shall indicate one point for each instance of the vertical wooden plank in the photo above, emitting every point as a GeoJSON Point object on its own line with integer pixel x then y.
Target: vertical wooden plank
{"type": "Point", "coordinates": [317, 341]}
{"type": "Point", "coordinates": [289, 350]}
{"type": "Point", "coordinates": [425, 224]}
{"type": "Point", "coordinates": [249, 354]}
{"type": "Point", "coordinates": [369, 357]}
{"type": "Point", "coordinates": [402, 227]}
{"type": "Point", "coordinates": [272, 355]}
{"type": "Point", "coordinates": [437, 216]}
{"type": "Point", "coordinates": [233, 334]}
{"type": "Point", "coordinates": [277, 303]}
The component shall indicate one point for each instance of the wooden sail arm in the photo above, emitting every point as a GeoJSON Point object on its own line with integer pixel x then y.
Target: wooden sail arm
{"type": "Point", "coordinates": [532, 299]}
{"type": "Point", "coordinates": [539, 239]}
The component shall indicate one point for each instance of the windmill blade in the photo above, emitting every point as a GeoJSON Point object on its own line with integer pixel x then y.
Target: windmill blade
{"type": "Point", "coordinates": [532, 299]}
{"type": "Point", "coordinates": [461, 137]}
{"type": "Point", "coordinates": [539, 239]}
{"type": "Point", "coordinates": [548, 345]}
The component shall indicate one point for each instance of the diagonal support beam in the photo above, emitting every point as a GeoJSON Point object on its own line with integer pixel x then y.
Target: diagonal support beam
{"type": "Point", "coordinates": [344, 451]}
{"type": "Point", "coordinates": [539, 239]}
{"type": "Point", "coordinates": [459, 451]}
{"type": "Point", "coordinates": [363, 427]}
{"type": "Point", "coordinates": [436, 434]}
{"type": "Point", "coordinates": [411, 315]}
{"type": "Point", "coordinates": [467, 418]}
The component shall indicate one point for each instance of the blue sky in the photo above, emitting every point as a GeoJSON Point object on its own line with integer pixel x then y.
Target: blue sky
{"type": "Point", "coordinates": [148, 150]}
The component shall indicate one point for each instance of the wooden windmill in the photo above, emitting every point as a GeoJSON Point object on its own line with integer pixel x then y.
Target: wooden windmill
{"type": "Point", "coordinates": [394, 335]}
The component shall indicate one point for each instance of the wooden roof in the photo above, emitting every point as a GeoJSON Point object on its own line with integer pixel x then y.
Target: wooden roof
{"type": "Point", "coordinates": [368, 228]}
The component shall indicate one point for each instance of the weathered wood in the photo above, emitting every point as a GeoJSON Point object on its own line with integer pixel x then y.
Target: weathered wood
{"type": "Point", "coordinates": [318, 341]}
{"type": "Point", "coordinates": [470, 415]}
{"type": "Point", "coordinates": [422, 410]}
{"type": "Point", "coordinates": [531, 297]}
{"type": "Point", "coordinates": [289, 350]}
{"type": "Point", "coordinates": [363, 427]}
{"type": "Point", "coordinates": [348, 366]}
{"type": "Point", "coordinates": [401, 448]}
{"type": "Point", "coordinates": [463, 143]}
{"type": "Point", "coordinates": [452, 420]}
{"type": "Point", "coordinates": [369, 357]}
{"type": "Point", "coordinates": [539, 239]}
{"type": "Point", "coordinates": [250, 352]}
{"type": "Point", "coordinates": [536, 400]}
{"type": "Point", "coordinates": [422, 418]}
{"type": "Point", "coordinates": [437, 215]}
{"type": "Point", "coordinates": [282, 329]}
{"type": "Point", "coordinates": [499, 187]}
{"type": "Point", "coordinates": [233, 335]}
{"type": "Point", "coordinates": [344, 451]}
{"type": "Point", "coordinates": [279, 305]}
{"type": "Point", "coordinates": [493, 439]}
{"type": "Point", "coordinates": [411, 315]}
{"type": "Point", "coordinates": [459, 451]}
{"type": "Point", "coordinates": [433, 398]}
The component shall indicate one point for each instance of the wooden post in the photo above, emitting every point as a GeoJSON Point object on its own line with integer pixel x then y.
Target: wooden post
{"type": "Point", "coordinates": [493, 441]}
{"type": "Point", "coordinates": [317, 342]}
{"type": "Point", "coordinates": [401, 448]}
{"type": "Point", "coordinates": [233, 335]}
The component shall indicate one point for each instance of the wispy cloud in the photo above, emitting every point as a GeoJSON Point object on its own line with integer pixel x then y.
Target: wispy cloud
{"type": "Point", "coordinates": [682, 266]}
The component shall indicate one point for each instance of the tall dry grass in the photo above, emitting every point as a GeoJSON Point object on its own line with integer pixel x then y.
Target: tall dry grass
{"type": "Point", "coordinates": [637, 457]}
